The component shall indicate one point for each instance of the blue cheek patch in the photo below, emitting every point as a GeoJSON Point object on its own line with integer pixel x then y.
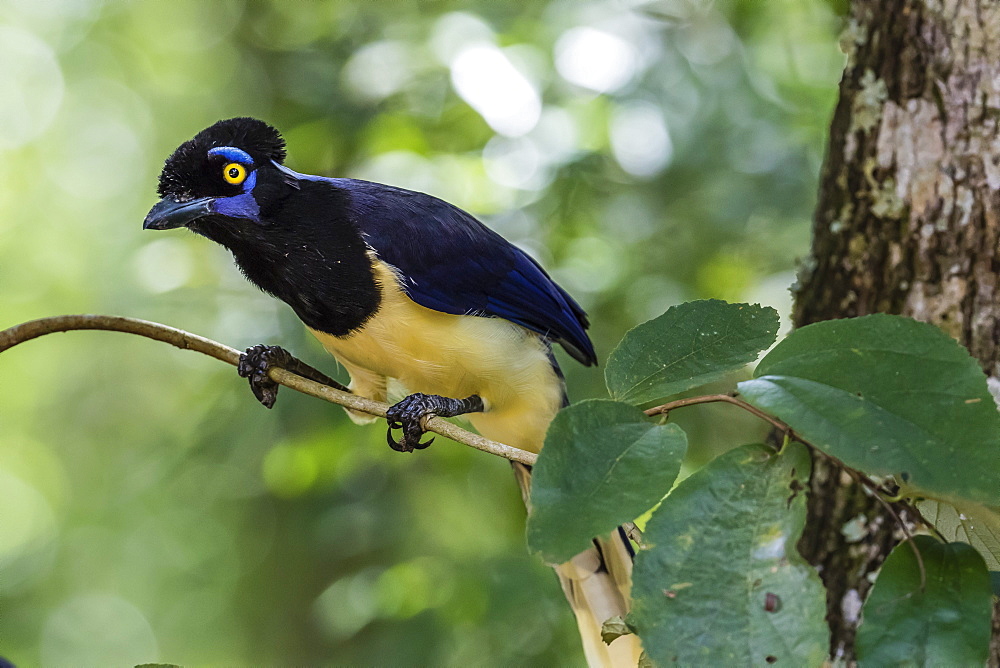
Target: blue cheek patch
{"type": "Point", "coordinates": [238, 206]}
{"type": "Point", "coordinates": [232, 154]}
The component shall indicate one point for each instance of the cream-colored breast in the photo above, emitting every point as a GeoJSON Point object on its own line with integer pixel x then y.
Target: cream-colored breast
{"type": "Point", "coordinates": [454, 356]}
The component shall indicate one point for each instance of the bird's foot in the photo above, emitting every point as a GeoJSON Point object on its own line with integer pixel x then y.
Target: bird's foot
{"type": "Point", "coordinates": [257, 360]}
{"type": "Point", "coordinates": [409, 414]}
{"type": "Point", "coordinates": [254, 365]}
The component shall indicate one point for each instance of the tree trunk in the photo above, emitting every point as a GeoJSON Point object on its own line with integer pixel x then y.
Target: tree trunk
{"type": "Point", "coordinates": [906, 223]}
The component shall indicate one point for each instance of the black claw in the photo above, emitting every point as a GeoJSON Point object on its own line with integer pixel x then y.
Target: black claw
{"type": "Point", "coordinates": [265, 395]}
{"type": "Point", "coordinates": [398, 446]}
{"type": "Point", "coordinates": [408, 416]}
{"type": "Point", "coordinates": [256, 361]}
{"type": "Point", "coordinates": [253, 366]}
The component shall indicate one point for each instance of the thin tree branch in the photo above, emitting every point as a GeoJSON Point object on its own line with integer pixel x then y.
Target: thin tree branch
{"type": "Point", "coordinates": [859, 477]}
{"type": "Point", "coordinates": [664, 409]}
{"type": "Point", "coordinates": [187, 341]}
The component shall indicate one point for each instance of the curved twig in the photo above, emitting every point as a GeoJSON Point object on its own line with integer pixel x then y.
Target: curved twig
{"type": "Point", "coordinates": [859, 477]}
{"type": "Point", "coordinates": [177, 337]}
{"type": "Point", "coordinates": [665, 409]}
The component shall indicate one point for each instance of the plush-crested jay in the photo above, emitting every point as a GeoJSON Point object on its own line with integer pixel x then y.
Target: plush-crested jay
{"type": "Point", "coordinates": [396, 285]}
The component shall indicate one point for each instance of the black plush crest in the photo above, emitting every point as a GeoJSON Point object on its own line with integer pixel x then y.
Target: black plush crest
{"type": "Point", "coordinates": [185, 171]}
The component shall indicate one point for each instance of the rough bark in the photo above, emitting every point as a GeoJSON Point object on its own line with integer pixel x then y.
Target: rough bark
{"type": "Point", "coordinates": [906, 223]}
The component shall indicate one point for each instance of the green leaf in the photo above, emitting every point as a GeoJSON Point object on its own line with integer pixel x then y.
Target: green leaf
{"type": "Point", "coordinates": [689, 345]}
{"type": "Point", "coordinates": [968, 523]}
{"type": "Point", "coordinates": [603, 463]}
{"type": "Point", "coordinates": [938, 620]}
{"type": "Point", "coordinates": [719, 581]}
{"type": "Point", "coordinates": [889, 396]}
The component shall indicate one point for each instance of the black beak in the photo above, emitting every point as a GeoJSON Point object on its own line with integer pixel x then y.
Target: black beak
{"type": "Point", "coordinates": [169, 213]}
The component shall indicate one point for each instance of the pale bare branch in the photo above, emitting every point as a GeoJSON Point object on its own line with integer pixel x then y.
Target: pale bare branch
{"type": "Point", "coordinates": [181, 339]}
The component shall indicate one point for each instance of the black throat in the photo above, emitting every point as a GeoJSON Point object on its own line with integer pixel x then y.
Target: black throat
{"type": "Point", "coordinates": [307, 253]}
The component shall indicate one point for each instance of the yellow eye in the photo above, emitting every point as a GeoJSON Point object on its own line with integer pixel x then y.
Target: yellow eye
{"type": "Point", "coordinates": [234, 173]}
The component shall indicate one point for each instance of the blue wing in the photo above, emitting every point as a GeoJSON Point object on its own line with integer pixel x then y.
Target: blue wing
{"type": "Point", "coordinates": [450, 262]}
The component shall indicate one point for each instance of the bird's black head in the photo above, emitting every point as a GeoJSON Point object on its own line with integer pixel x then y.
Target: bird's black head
{"type": "Point", "coordinates": [226, 171]}
{"type": "Point", "coordinates": [291, 234]}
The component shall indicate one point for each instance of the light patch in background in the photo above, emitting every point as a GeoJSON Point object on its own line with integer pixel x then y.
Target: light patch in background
{"type": "Point", "coordinates": [557, 135]}
{"type": "Point", "coordinates": [650, 296]}
{"type": "Point", "coordinates": [457, 31]}
{"type": "Point", "coordinates": [515, 163]}
{"type": "Point", "coordinates": [245, 315]}
{"type": "Point", "coordinates": [400, 591]}
{"type": "Point", "coordinates": [707, 39]}
{"type": "Point", "coordinates": [640, 140]}
{"type": "Point", "coordinates": [528, 162]}
{"type": "Point", "coordinates": [406, 589]}
{"type": "Point", "coordinates": [104, 158]}
{"type": "Point", "coordinates": [462, 181]}
{"type": "Point", "coordinates": [515, 224]}
{"type": "Point", "coordinates": [28, 529]}
{"type": "Point", "coordinates": [347, 605]}
{"type": "Point", "coordinates": [756, 149]}
{"type": "Point", "coordinates": [289, 471]}
{"type": "Point", "coordinates": [379, 69]}
{"type": "Point", "coordinates": [403, 169]}
{"type": "Point", "coordinates": [775, 290]}
{"type": "Point", "coordinates": [683, 105]}
{"type": "Point", "coordinates": [31, 86]}
{"type": "Point", "coordinates": [97, 630]}
{"type": "Point", "coordinates": [59, 10]}
{"type": "Point", "coordinates": [459, 179]}
{"type": "Point", "coordinates": [487, 80]}
{"type": "Point", "coordinates": [675, 13]}
{"type": "Point", "coordinates": [630, 218]}
{"type": "Point", "coordinates": [163, 265]}
{"type": "Point", "coordinates": [207, 24]}
{"type": "Point", "coordinates": [593, 265]}
{"type": "Point", "coordinates": [595, 59]}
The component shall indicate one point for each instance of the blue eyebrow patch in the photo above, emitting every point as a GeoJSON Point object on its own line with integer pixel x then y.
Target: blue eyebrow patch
{"type": "Point", "coordinates": [232, 153]}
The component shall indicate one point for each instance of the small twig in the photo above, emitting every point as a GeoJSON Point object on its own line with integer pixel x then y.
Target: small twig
{"type": "Point", "coordinates": [633, 532]}
{"type": "Point", "coordinates": [858, 476]}
{"type": "Point", "coordinates": [187, 341]}
{"type": "Point", "coordinates": [664, 409]}
{"type": "Point", "coordinates": [151, 330]}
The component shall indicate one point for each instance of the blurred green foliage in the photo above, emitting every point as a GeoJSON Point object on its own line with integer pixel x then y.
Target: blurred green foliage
{"type": "Point", "coordinates": [646, 153]}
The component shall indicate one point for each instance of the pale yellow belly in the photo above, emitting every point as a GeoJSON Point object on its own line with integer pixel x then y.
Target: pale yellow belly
{"type": "Point", "coordinates": [454, 356]}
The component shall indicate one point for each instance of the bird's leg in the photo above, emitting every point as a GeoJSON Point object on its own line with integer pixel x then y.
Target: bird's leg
{"type": "Point", "coordinates": [256, 361]}
{"type": "Point", "coordinates": [409, 413]}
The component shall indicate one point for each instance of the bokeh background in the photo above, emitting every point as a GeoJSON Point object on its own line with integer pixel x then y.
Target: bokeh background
{"type": "Point", "coordinates": [647, 153]}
